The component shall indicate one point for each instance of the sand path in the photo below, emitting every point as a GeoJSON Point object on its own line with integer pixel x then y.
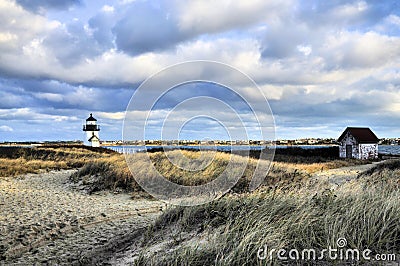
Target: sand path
{"type": "Point", "coordinates": [43, 220]}
{"type": "Point", "coordinates": [338, 176]}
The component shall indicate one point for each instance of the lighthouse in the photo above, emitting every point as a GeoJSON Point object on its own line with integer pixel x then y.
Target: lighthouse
{"type": "Point", "coordinates": [92, 132]}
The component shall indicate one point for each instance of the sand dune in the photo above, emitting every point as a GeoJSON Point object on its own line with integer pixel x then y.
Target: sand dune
{"type": "Point", "coordinates": [45, 220]}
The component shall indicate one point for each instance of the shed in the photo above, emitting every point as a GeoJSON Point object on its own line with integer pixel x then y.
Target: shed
{"type": "Point", "coordinates": [359, 143]}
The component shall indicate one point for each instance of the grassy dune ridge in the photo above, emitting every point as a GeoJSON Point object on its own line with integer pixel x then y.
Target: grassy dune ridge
{"type": "Point", "coordinates": [111, 172]}
{"type": "Point", "coordinates": [385, 175]}
{"type": "Point", "coordinates": [230, 231]}
{"type": "Point", "coordinates": [16, 161]}
{"type": "Point", "coordinates": [104, 169]}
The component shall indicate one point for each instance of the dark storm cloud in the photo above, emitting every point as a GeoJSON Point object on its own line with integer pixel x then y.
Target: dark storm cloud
{"type": "Point", "coordinates": [189, 91]}
{"type": "Point", "coordinates": [44, 86]}
{"type": "Point", "coordinates": [281, 41]}
{"type": "Point", "coordinates": [147, 28]}
{"type": "Point", "coordinates": [37, 5]}
{"type": "Point", "coordinates": [59, 96]}
{"type": "Point", "coordinates": [12, 95]}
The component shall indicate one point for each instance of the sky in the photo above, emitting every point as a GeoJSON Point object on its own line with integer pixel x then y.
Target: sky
{"type": "Point", "coordinates": [322, 65]}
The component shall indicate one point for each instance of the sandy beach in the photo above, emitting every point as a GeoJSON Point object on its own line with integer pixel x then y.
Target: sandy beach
{"type": "Point", "coordinates": [43, 219]}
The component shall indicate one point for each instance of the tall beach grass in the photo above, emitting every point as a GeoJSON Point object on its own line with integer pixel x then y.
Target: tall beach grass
{"type": "Point", "coordinates": [231, 230]}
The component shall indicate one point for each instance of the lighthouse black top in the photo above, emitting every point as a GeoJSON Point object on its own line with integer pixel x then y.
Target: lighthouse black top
{"type": "Point", "coordinates": [91, 124]}
{"type": "Point", "coordinates": [91, 118]}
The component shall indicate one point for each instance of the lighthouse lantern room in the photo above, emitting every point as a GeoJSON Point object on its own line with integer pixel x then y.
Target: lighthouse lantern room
{"type": "Point", "coordinates": [92, 132]}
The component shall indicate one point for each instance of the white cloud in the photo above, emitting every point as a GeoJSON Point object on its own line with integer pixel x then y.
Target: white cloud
{"type": "Point", "coordinates": [29, 114]}
{"type": "Point", "coordinates": [306, 50]}
{"type": "Point", "coordinates": [107, 8]}
{"type": "Point", "coordinates": [53, 97]}
{"type": "Point", "coordinates": [125, 2]}
{"type": "Point", "coordinates": [7, 37]}
{"type": "Point", "coordinates": [213, 16]}
{"type": "Point", "coordinates": [6, 129]}
{"type": "Point", "coordinates": [393, 19]}
{"type": "Point", "coordinates": [22, 23]}
{"type": "Point", "coordinates": [112, 116]}
{"type": "Point", "coordinates": [349, 11]}
{"type": "Point", "coordinates": [362, 50]}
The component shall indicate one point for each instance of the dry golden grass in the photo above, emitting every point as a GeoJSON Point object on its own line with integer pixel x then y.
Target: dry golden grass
{"type": "Point", "coordinates": [14, 167]}
{"type": "Point", "coordinates": [111, 171]}
{"type": "Point", "coordinates": [108, 172]}
{"type": "Point", "coordinates": [114, 172]}
{"type": "Point", "coordinates": [232, 229]}
{"type": "Point", "coordinates": [315, 167]}
{"type": "Point", "coordinates": [385, 175]}
{"type": "Point", "coordinates": [17, 161]}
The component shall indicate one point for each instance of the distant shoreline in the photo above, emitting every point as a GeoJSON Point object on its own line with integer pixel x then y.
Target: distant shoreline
{"type": "Point", "coordinates": [16, 144]}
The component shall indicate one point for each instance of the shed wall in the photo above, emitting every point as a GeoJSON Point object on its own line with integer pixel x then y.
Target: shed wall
{"type": "Point", "coordinates": [368, 151]}
{"type": "Point", "coordinates": [349, 140]}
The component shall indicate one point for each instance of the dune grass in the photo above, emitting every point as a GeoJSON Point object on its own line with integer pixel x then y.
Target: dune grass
{"type": "Point", "coordinates": [231, 230]}
{"type": "Point", "coordinates": [385, 175]}
{"type": "Point", "coordinates": [112, 172]}
{"type": "Point", "coordinates": [16, 161]}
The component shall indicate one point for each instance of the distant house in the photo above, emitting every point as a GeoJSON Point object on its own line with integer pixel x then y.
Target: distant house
{"type": "Point", "coordinates": [359, 143]}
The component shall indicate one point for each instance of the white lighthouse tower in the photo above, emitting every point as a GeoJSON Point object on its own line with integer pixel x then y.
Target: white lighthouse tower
{"type": "Point", "coordinates": [92, 132]}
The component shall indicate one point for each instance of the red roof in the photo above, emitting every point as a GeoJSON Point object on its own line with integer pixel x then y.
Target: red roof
{"type": "Point", "coordinates": [361, 134]}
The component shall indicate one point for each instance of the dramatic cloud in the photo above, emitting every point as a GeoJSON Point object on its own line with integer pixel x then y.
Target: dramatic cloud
{"type": "Point", "coordinates": [323, 65]}
{"type": "Point", "coordinates": [147, 28]}
{"type": "Point", "coordinates": [101, 26]}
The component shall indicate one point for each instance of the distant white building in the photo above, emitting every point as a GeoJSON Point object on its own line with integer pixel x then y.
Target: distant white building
{"type": "Point", "coordinates": [92, 132]}
{"type": "Point", "coordinates": [359, 143]}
